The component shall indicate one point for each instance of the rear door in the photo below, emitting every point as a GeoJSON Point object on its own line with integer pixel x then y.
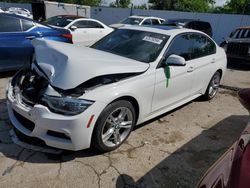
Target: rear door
{"type": "Point", "coordinates": [88, 32]}
{"type": "Point", "coordinates": [14, 47]}
{"type": "Point", "coordinates": [97, 30]}
{"type": "Point", "coordinates": [81, 35]}
{"type": "Point", "coordinates": [203, 57]}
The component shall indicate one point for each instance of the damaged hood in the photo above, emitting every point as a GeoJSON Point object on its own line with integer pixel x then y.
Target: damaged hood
{"type": "Point", "coordinates": [66, 66]}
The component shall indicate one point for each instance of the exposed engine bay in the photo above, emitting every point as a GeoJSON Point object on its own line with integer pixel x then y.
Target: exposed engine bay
{"type": "Point", "coordinates": [31, 86]}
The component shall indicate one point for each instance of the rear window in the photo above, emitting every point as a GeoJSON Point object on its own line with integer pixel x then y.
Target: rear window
{"type": "Point", "coordinates": [10, 24]}
{"type": "Point", "coordinates": [26, 25]}
{"type": "Point", "coordinates": [241, 33]}
{"type": "Point", "coordinates": [131, 21]}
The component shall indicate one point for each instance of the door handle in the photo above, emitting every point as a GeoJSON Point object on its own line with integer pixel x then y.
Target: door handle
{"type": "Point", "coordinates": [190, 69]}
{"type": "Point", "coordinates": [213, 60]}
{"type": "Point", "coordinates": [30, 37]}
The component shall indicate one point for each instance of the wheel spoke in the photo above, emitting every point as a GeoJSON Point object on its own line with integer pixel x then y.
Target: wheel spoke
{"type": "Point", "coordinates": [122, 114]}
{"type": "Point", "coordinates": [216, 86]}
{"type": "Point", "coordinates": [111, 119]}
{"type": "Point", "coordinates": [108, 134]}
{"type": "Point", "coordinates": [126, 124]}
{"type": "Point", "coordinates": [117, 137]}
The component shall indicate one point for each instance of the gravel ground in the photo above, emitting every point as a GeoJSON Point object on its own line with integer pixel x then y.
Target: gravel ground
{"type": "Point", "coordinates": [173, 150]}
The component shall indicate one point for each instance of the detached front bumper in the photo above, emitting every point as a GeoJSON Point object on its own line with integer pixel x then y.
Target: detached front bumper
{"type": "Point", "coordinates": [64, 132]}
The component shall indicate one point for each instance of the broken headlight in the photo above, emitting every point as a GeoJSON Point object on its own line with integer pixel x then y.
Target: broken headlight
{"type": "Point", "coordinates": [66, 105]}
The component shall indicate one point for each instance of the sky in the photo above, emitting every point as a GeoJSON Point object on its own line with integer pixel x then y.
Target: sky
{"type": "Point", "coordinates": [140, 2]}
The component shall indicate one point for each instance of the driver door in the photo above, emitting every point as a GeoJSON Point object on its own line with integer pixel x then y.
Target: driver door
{"type": "Point", "coordinates": [181, 77]}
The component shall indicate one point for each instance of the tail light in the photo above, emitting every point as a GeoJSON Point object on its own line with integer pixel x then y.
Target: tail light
{"type": "Point", "coordinates": [68, 36]}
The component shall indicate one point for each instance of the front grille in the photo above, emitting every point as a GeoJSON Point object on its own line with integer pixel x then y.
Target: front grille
{"type": "Point", "coordinates": [25, 122]}
{"type": "Point", "coordinates": [238, 48]}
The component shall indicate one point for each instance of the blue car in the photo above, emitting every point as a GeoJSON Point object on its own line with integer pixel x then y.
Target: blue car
{"type": "Point", "coordinates": [16, 33]}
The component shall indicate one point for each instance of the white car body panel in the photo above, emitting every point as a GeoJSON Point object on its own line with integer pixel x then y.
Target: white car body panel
{"type": "Point", "coordinates": [88, 36]}
{"type": "Point", "coordinates": [68, 66]}
{"type": "Point", "coordinates": [55, 59]}
{"type": "Point", "coordinates": [143, 18]}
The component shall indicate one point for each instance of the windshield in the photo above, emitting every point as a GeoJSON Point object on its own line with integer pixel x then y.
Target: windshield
{"type": "Point", "coordinates": [131, 21]}
{"type": "Point", "coordinates": [240, 33]}
{"type": "Point", "coordinates": [138, 45]}
{"type": "Point", "coordinates": [58, 21]}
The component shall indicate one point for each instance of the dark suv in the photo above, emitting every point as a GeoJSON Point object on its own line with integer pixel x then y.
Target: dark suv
{"type": "Point", "coordinates": [237, 45]}
{"type": "Point", "coordinates": [191, 24]}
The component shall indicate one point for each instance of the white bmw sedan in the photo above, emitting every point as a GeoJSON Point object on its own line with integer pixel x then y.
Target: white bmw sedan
{"type": "Point", "coordinates": [77, 97]}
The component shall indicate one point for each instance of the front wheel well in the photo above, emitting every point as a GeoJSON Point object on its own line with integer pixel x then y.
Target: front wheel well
{"type": "Point", "coordinates": [133, 101]}
{"type": "Point", "coordinates": [220, 71]}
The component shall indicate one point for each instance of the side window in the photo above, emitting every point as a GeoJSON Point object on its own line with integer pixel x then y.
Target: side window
{"type": "Point", "coordinates": [81, 24]}
{"type": "Point", "coordinates": [191, 25]}
{"type": "Point", "coordinates": [147, 22]}
{"type": "Point", "coordinates": [211, 47]}
{"type": "Point", "coordinates": [202, 46]}
{"type": "Point", "coordinates": [161, 21]}
{"type": "Point", "coordinates": [93, 24]}
{"type": "Point", "coordinates": [26, 25]}
{"type": "Point", "coordinates": [181, 46]}
{"type": "Point", "coordinates": [205, 27]}
{"type": "Point", "coordinates": [239, 33]}
{"type": "Point", "coordinates": [155, 22]}
{"type": "Point", "coordinates": [9, 24]}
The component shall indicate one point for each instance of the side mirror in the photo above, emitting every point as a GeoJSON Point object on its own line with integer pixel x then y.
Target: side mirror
{"type": "Point", "coordinates": [175, 60]}
{"type": "Point", "coordinates": [73, 28]}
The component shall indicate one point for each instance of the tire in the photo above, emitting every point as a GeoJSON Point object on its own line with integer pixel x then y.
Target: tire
{"type": "Point", "coordinates": [212, 87]}
{"type": "Point", "coordinates": [113, 126]}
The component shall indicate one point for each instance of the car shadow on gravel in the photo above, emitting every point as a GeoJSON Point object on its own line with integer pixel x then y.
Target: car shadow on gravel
{"type": "Point", "coordinates": [186, 166]}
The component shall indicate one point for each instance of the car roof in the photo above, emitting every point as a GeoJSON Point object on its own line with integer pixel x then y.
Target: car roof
{"type": "Point", "coordinates": [166, 30]}
{"type": "Point", "coordinates": [244, 27]}
{"type": "Point", "coordinates": [183, 20]}
{"type": "Point", "coordinates": [143, 16]}
{"type": "Point", "coordinates": [16, 16]}
{"type": "Point", "coordinates": [70, 16]}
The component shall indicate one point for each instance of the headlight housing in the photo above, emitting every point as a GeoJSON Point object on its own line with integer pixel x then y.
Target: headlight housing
{"type": "Point", "coordinates": [66, 105]}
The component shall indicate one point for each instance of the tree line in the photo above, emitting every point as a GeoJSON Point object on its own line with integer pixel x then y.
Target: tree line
{"type": "Point", "coordinates": [231, 6]}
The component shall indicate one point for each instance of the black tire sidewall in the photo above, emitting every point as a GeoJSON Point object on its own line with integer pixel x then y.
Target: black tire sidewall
{"type": "Point", "coordinates": [206, 95]}
{"type": "Point", "coordinates": [97, 133]}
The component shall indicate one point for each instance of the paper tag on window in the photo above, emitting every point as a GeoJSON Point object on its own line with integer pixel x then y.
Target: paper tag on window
{"type": "Point", "coordinates": [152, 39]}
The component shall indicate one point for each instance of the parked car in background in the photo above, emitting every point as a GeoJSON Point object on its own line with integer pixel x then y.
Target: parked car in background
{"type": "Point", "coordinates": [232, 170]}
{"type": "Point", "coordinates": [237, 45]}
{"type": "Point", "coordinates": [85, 31]}
{"type": "Point", "coordinates": [19, 11]}
{"type": "Point", "coordinates": [16, 33]}
{"type": "Point", "coordinates": [191, 24]}
{"type": "Point", "coordinates": [138, 20]}
{"type": "Point", "coordinates": [75, 97]}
